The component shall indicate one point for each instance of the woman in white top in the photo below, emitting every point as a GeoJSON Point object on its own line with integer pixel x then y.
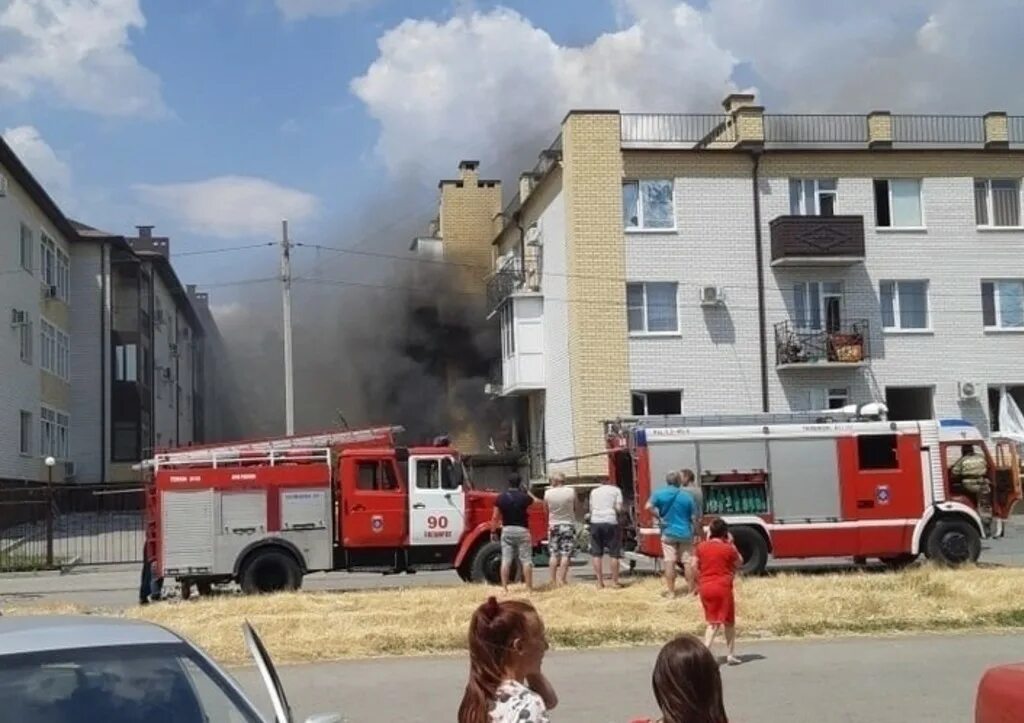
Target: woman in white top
{"type": "Point", "coordinates": [506, 650]}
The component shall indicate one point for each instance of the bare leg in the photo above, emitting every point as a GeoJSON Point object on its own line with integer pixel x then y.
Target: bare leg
{"type": "Point", "coordinates": [555, 563]}
{"type": "Point", "coordinates": [615, 565]}
{"type": "Point", "coordinates": [598, 570]}
{"type": "Point", "coordinates": [563, 570]}
{"type": "Point", "coordinates": [730, 641]}
{"type": "Point", "coordinates": [709, 635]}
{"type": "Point", "coordinates": [688, 573]}
{"type": "Point", "coordinates": [670, 577]}
{"type": "Point", "coordinates": [528, 575]}
{"type": "Point", "coordinates": [506, 569]}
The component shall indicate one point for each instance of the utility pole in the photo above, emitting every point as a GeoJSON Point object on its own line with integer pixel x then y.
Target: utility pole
{"type": "Point", "coordinates": [286, 303]}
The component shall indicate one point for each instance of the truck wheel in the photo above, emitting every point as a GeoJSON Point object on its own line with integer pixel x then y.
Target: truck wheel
{"type": "Point", "coordinates": [186, 587]}
{"type": "Point", "coordinates": [204, 588]}
{"type": "Point", "coordinates": [753, 549]}
{"type": "Point", "coordinates": [271, 570]}
{"type": "Point", "coordinates": [486, 565]}
{"type": "Point", "coordinates": [953, 542]}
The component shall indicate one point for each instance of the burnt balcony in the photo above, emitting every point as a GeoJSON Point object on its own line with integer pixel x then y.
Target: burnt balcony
{"type": "Point", "coordinates": [846, 346]}
{"type": "Point", "coordinates": [501, 285]}
{"type": "Point", "coordinates": [817, 240]}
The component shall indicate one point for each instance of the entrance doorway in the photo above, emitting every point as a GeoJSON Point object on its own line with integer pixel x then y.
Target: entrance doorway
{"type": "Point", "coordinates": [910, 403]}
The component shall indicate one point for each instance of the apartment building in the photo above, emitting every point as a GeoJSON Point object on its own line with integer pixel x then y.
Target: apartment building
{"type": "Point", "coordinates": [35, 392]}
{"type": "Point", "coordinates": [745, 261]}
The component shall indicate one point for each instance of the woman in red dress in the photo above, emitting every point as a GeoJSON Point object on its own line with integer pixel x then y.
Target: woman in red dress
{"type": "Point", "coordinates": [717, 561]}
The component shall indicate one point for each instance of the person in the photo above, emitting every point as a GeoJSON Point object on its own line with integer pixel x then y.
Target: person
{"type": "Point", "coordinates": [687, 684]}
{"type": "Point", "coordinates": [971, 469]}
{"type": "Point", "coordinates": [560, 502]}
{"type": "Point", "coordinates": [506, 650]}
{"type": "Point", "coordinates": [150, 586]}
{"type": "Point", "coordinates": [606, 506]}
{"type": "Point", "coordinates": [676, 513]}
{"type": "Point", "coordinates": [511, 513]}
{"type": "Point", "coordinates": [717, 561]}
{"type": "Point", "coordinates": [689, 483]}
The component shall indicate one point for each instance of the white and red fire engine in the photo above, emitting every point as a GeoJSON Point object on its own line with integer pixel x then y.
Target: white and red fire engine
{"type": "Point", "coordinates": [803, 486]}
{"type": "Point", "coordinates": [265, 513]}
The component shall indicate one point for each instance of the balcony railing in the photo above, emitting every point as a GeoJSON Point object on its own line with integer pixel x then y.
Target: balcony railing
{"type": "Point", "coordinates": [835, 128]}
{"type": "Point", "coordinates": [847, 346]}
{"type": "Point", "coordinates": [916, 129]}
{"type": "Point", "coordinates": [817, 240]}
{"type": "Point", "coordinates": [693, 128]}
{"type": "Point", "coordinates": [502, 284]}
{"type": "Point", "coordinates": [1015, 128]}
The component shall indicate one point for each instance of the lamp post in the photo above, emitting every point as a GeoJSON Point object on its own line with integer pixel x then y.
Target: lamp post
{"type": "Point", "coordinates": [49, 462]}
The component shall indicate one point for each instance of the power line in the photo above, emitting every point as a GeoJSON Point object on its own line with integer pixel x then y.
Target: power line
{"type": "Point", "coordinates": [225, 249]}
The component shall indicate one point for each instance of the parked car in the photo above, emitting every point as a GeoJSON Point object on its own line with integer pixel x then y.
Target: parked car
{"type": "Point", "coordinates": [1001, 695]}
{"type": "Point", "coordinates": [64, 669]}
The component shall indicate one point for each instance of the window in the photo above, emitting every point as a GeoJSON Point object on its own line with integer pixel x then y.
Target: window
{"type": "Point", "coordinates": [651, 308]}
{"type": "Point", "coordinates": [829, 398]}
{"type": "Point", "coordinates": [904, 304]}
{"type": "Point", "coordinates": [1002, 304]}
{"type": "Point", "coordinates": [898, 203]}
{"type": "Point", "coordinates": [655, 403]}
{"type": "Point", "coordinates": [508, 330]}
{"type": "Point", "coordinates": [27, 243]}
{"type": "Point", "coordinates": [63, 276]}
{"type": "Point", "coordinates": [53, 433]}
{"type": "Point", "coordinates": [877, 451]}
{"type": "Point", "coordinates": [125, 443]}
{"type": "Point", "coordinates": [428, 474]}
{"type": "Point", "coordinates": [812, 196]}
{"type": "Point", "coordinates": [648, 205]}
{"type": "Point", "coordinates": [368, 478]}
{"type": "Point", "coordinates": [25, 341]}
{"type": "Point", "coordinates": [818, 305]}
{"type": "Point", "coordinates": [997, 202]}
{"type": "Point", "coordinates": [55, 350]}
{"type": "Point", "coordinates": [126, 363]}
{"type": "Point", "coordinates": [25, 438]}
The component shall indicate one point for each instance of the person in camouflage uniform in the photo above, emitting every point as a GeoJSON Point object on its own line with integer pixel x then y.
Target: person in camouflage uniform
{"type": "Point", "coordinates": [972, 470]}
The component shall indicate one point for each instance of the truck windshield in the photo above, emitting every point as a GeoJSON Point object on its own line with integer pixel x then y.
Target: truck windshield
{"type": "Point", "coordinates": [451, 474]}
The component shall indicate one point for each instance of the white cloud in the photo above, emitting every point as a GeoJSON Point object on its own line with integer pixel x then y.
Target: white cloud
{"type": "Point", "coordinates": [491, 85]}
{"type": "Point", "coordinates": [41, 160]}
{"type": "Point", "coordinates": [230, 206]}
{"type": "Point", "coordinates": [79, 52]}
{"type": "Point", "coordinates": [301, 9]}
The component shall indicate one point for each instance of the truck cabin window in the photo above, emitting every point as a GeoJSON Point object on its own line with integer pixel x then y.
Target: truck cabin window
{"type": "Point", "coordinates": [877, 451]}
{"type": "Point", "coordinates": [376, 476]}
{"type": "Point", "coordinates": [434, 474]}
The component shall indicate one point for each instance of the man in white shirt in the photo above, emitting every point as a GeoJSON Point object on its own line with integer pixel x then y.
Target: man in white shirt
{"type": "Point", "coordinates": [605, 531]}
{"type": "Point", "coordinates": [560, 502]}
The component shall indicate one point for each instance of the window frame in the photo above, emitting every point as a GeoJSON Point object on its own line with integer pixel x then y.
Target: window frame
{"type": "Point", "coordinates": [54, 433]}
{"type": "Point", "coordinates": [645, 310]}
{"type": "Point", "coordinates": [920, 203]}
{"type": "Point", "coordinates": [817, 194]}
{"type": "Point", "coordinates": [54, 357]}
{"type": "Point", "coordinates": [898, 328]}
{"type": "Point", "coordinates": [999, 327]}
{"type": "Point", "coordinates": [822, 295]}
{"type": "Point", "coordinates": [26, 338]}
{"type": "Point", "coordinates": [26, 434]}
{"type": "Point", "coordinates": [641, 227]}
{"type": "Point", "coordinates": [26, 247]}
{"type": "Point", "coordinates": [989, 210]}
{"type": "Point", "coordinates": [636, 394]}
{"type": "Point", "coordinates": [874, 466]}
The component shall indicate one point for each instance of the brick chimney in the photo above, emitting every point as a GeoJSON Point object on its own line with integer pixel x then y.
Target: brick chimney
{"type": "Point", "coordinates": [146, 241]}
{"type": "Point", "coordinates": [469, 173]}
{"type": "Point", "coordinates": [525, 186]}
{"type": "Point", "coordinates": [145, 231]}
{"type": "Point", "coordinates": [747, 118]}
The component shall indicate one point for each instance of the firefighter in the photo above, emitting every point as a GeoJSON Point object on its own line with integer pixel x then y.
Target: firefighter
{"type": "Point", "coordinates": [972, 470]}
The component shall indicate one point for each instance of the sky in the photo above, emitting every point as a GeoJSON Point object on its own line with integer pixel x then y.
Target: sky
{"type": "Point", "coordinates": [215, 119]}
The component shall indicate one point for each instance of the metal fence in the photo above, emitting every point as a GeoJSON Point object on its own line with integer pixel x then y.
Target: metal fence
{"type": "Point", "coordinates": [51, 526]}
{"type": "Point", "coordinates": [938, 129]}
{"type": "Point", "coordinates": [1015, 128]}
{"type": "Point", "coordinates": [676, 128]}
{"type": "Point", "coordinates": [803, 128]}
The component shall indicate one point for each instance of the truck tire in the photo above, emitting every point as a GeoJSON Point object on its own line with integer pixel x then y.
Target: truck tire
{"type": "Point", "coordinates": [486, 565]}
{"type": "Point", "coordinates": [270, 570]}
{"type": "Point", "coordinates": [753, 549]}
{"type": "Point", "coordinates": [953, 542]}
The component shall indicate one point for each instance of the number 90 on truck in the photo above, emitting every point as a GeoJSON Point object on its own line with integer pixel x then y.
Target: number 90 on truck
{"type": "Point", "coordinates": [266, 513]}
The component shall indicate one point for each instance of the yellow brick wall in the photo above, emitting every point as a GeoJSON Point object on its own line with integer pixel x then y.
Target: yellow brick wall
{"type": "Point", "coordinates": [596, 265]}
{"type": "Point", "coordinates": [997, 129]}
{"type": "Point", "coordinates": [880, 128]}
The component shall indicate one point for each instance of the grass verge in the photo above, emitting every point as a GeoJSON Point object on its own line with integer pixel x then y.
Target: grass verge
{"type": "Point", "coordinates": [306, 627]}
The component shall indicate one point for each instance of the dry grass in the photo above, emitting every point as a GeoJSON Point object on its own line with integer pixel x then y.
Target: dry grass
{"type": "Point", "coordinates": [305, 627]}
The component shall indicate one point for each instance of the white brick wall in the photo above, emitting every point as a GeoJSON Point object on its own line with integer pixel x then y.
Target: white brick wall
{"type": "Point", "coordinates": [89, 435]}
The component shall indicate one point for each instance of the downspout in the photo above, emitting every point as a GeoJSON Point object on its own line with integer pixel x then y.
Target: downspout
{"type": "Point", "coordinates": [762, 322]}
{"type": "Point", "coordinates": [104, 320]}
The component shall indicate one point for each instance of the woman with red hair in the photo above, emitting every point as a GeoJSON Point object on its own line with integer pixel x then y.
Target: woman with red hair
{"type": "Point", "coordinates": [506, 650]}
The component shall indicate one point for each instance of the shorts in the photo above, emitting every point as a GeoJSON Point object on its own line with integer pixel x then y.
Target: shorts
{"type": "Point", "coordinates": [562, 540]}
{"type": "Point", "coordinates": [515, 542]}
{"type": "Point", "coordinates": [605, 540]}
{"type": "Point", "coordinates": [673, 551]}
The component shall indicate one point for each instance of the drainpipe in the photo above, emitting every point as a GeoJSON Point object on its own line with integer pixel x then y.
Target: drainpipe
{"type": "Point", "coordinates": [104, 320]}
{"type": "Point", "coordinates": [762, 323]}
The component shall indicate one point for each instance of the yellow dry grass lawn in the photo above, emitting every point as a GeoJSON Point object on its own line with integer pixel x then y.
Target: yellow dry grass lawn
{"type": "Point", "coordinates": [302, 627]}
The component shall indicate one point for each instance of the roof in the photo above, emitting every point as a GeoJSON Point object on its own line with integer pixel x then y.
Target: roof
{"type": "Point", "coordinates": [84, 232]}
{"type": "Point", "coordinates": [39, 196]}
{"type": "Point", "coordinates": [34, 633]}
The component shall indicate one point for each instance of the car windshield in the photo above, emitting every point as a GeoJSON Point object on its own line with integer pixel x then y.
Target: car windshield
{"type": "Point", "coordinates": [149, 683]}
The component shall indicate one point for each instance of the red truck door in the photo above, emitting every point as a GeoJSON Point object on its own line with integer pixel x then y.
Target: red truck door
{"type": "Point", "coordinates": [372, 510]}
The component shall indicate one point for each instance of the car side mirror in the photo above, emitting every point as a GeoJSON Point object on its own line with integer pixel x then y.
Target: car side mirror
{"type": "Point", "coordinates": [325, 718]}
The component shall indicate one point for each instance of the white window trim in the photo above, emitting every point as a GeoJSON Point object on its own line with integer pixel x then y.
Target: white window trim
{"type": "Point", "coordinates": [54, 366]}
{"type": "Point", "coordinates": [822, 295]}
{"type": "Point", "coordinates": [818, 191]}
{"type": "Point", "coordinates": [58, 454]}
{"type": "Point", "coordinates": [927, 328]}
{"type": "Point", "coordinates": [640, 228]}
{"type": "Point", "coordinates": [645, 392]}
{"type": "Point", "coordinates": [999, 328]}
{"type": "Point", "coordinates": [920, 203]}
{"type": "Point", "coordinates": [988, 204]}
{"type": "Point", "coordinates": [644, 333]}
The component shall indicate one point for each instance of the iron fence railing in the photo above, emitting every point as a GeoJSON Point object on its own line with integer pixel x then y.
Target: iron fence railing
{"type": "Point", "coordinates": [938, 129]}
{"type": "Point", "coordinates": [846, 345]}
{"type": "Point", "coordinates": [502, 284]}
{"type": "Point", "coordinates": [1015, 128]}
{"type": "Point", "coordinates": [796, 128]}
{"type": "Point", "coordinates": [676, 128]}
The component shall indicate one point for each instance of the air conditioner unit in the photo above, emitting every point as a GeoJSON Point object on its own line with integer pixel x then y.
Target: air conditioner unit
{"type": "Point", "coordinates": [967, 390]}
{"type": "Point", "coordinates": [712, 296]}
{"type": "Point", "coordinates": [3, 185]}
{"type": "Point", "coordinates": [19, 317]}
{"type": "Point", "coordinates": [69, 471]}
{"type": "Point", "coordinates": [50, 292]}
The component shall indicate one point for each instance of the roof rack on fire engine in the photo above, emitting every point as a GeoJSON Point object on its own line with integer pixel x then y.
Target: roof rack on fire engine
{"type": "Point", "coordinates": [851, 413]}
{"type": "Point", "coordinates": [192, 455]}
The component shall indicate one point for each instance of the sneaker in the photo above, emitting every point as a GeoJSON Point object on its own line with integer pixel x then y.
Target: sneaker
{"type": "Point", "coordinates": [733, 660]}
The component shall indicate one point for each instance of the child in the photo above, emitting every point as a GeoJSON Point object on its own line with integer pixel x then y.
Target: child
{"type": "Point", "coordinates": [687, 684]}
{"type": "Point", "coordinates": [717, 562]}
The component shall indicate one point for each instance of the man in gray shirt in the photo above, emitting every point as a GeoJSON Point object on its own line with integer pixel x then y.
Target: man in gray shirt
{"type": "Point", "coordinates": [560, 503]}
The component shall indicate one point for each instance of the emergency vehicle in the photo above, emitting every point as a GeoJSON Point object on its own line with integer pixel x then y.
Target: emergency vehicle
{"type": "Point", "coordinates": [265, 513]}
{"type": "Point", "coordinates": [807, 486]}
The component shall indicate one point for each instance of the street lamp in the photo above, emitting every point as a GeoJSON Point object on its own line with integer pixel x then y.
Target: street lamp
{"type": "Point", "coordinates": [49, 462]}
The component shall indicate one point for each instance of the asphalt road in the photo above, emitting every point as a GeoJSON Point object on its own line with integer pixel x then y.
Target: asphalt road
{"type": "Point", "coordinates": [891, 680]}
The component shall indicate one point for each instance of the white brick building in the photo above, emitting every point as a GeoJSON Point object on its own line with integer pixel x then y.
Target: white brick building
{"type": "Point", "coordinates": [745, 262]}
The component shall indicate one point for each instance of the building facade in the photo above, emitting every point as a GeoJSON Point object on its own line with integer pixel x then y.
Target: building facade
{"type": "Point", "coordinates": [743, 261]}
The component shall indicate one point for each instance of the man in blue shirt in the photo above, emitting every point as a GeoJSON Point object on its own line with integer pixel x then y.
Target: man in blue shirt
{"type": "Point", "coordinates": [679, 518]}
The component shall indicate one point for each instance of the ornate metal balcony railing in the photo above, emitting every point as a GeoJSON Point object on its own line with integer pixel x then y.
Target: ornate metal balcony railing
{"type": "Point", "coordinates": [502, 284]}
{"type": "Point", "coordinates": [808, 347]}
{"type": "Point", "coordinates": [817, 240]}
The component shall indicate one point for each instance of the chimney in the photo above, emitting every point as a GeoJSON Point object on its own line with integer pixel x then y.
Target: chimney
{"type": "Point", "coordinates": [469, 173]}
{"type": "Point", "coordinates": [746, 119]}
{"type": "Point", "coordinates": [525, 186]}
{"type": "Point", "coordinates": [145, 231]}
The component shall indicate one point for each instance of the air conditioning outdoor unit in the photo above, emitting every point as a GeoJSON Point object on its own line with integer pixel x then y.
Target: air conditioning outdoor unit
{"type": "Point", "coordinates": [19, 317]}
{"type": "Point", "coordinates": [712, 296]}
{"type": "Point", "coordinates": [967, 390]}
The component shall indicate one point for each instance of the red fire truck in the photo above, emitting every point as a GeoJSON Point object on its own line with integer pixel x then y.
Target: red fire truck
{"type": "Point", "coordinates": [265, 513]}
{"type": "Point", "coordinates": [800, 486]}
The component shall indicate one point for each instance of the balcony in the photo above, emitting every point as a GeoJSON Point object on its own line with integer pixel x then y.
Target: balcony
{"type": "Point", "coordinates": [809, 348]}
{"type": "Point", "coordinates": [501, 285]}
{"type": "Point", "coordinates": [817, 240]}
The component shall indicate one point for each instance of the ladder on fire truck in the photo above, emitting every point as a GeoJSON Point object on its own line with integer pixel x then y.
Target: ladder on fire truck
{"type": "Point", "coordinates": [270, 448]}
{"type": "Point", "coordinates": [851, 413]}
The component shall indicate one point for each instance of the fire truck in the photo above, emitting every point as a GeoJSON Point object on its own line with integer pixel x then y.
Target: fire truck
{"type": "Point", "coordinates": [809, 486]}
{"type": "Point", "coordinates": [267, 512]}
